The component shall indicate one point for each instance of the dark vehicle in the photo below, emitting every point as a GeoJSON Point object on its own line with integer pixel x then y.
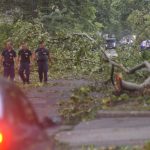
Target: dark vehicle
{"type": "Point", "coordinates": [110, 47]}
{"type": "Point", "coordinates": [20, 128]}
{"type": "Point", "coordinates": [110, 43]}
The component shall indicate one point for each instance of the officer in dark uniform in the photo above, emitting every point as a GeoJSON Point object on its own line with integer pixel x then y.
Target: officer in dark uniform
{"type": "Point", "coordinates": [42, 56]}
{"type": "Point", "coordinates": [24, 58]}
{"type": "Point", "coordinates": [8, 58]}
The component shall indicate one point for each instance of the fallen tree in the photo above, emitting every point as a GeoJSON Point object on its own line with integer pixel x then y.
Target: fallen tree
{"type": "Point", "coordinates": [121, 84]}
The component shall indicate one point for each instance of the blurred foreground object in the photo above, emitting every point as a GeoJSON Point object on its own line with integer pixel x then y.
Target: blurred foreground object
{"type": "Point", "coordinates": [20, 128]}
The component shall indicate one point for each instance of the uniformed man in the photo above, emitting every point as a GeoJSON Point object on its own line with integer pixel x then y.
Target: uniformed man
{"type": "Point", "coordinates": [42, 56]}
{"type": "Point", "coordinates": [8, 59]}
{"type": "Point", "coordinates": [24, 58]}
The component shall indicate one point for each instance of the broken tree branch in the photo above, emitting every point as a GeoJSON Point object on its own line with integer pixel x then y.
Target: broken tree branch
{"type": "Point", "coordinates": [145, 64]}
{"type": "Point", "coordinates": [125, 85]}
{"type": "Point", "coordinates": [135, 87]}
{"type": "Point", "coordinates": [86, 35]}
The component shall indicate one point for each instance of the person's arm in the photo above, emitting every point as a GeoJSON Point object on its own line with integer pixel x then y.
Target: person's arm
{"type": "Point", "coordinates": [2, 58]}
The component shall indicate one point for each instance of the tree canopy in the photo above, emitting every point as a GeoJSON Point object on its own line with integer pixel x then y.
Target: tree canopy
{"type": "Point", "coordinates": [120, 17]}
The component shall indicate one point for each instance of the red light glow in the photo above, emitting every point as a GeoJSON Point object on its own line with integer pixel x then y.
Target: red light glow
{"type": "Point", "coordinates": [1, 138]}
{"type": "Point", "coordinates": [5, 137]}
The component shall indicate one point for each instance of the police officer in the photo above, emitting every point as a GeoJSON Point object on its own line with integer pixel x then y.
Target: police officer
{"type": "Point", "coordinates": [42, 56]}
{"type": "Point", "coordinates": [24, 58]}
{"type": "Point", "coordinates": [8, 59]}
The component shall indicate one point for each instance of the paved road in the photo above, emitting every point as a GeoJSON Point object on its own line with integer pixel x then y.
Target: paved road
{"type": "Point", "coordinates": [46, 98]}
{"type": "Point", "coordinates": [102, 132]}
{"type": "Point", "coordinates": [108, 132]}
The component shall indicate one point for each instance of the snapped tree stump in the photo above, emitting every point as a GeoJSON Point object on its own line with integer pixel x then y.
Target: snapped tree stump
{"type": "Point", "coordinates": [121, 84]}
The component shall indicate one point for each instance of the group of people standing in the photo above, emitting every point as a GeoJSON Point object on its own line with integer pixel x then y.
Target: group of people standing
{"type": "Point", "coordinates": [24, 59]}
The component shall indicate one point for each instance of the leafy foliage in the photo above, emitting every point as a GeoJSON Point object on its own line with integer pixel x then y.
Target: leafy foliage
{"type": "Point", "coordinates": [25, 9]}
{"type": "Point", "coordinates": [121, 17]}
{"type": "Point", "coordinates": [5, 33]}
{"type": "Point", "coordinates": [72, 53]}
{"type": "Point", "coordinates": [68, 14]}
{"type": "Point", "coordinates": [131, 57]}
{"type": "Point", "coordinates": [80, 107]}
{"type": "Point", "coordinates": [29, 32]}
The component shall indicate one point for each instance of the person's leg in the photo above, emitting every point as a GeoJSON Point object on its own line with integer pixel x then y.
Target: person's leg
{"type": "Point", "coordinates": [12, 72]}
{"type": "Point", "coordinates": [21, 73]}
{"type": "Point", "coordinates": [27, 72]}
{"type": "Point", "coordinates": [45, 72]}
{"type": "Point", "coordinates": [40, 71]}
{"type": "Point", "coordinates": [6, 72]}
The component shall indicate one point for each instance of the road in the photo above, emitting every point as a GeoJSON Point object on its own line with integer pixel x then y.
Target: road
{"type": "Point", "coordinates": [108, 132]}
{"type": "Point", "coordinates": [100, 132]}
{"type": "Point", "coordinates": [46, 98]}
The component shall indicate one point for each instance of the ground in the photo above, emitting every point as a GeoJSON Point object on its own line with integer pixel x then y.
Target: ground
{"type": "Point", "coordinates": [100, 132]}
{"type": "Point", "coordinates": [107, 132]}
{"type": "Point", "coordinates": [45, 98]}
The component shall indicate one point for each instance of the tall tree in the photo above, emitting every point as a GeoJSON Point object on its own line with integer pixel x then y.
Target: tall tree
{"type": "Point", "coordinates": [139, 20]}
{"type": "Point", "coordinates": [68, 14]}
{"type": "Point", "coordinates": [21, 8]}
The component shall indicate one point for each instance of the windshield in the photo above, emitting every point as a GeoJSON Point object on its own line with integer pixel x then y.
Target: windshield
{"type": "Point", "coordinates": [111, 41]}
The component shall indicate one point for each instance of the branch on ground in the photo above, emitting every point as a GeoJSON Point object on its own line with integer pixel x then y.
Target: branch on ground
{"type": "Point", "coordinates": [121, 84]}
